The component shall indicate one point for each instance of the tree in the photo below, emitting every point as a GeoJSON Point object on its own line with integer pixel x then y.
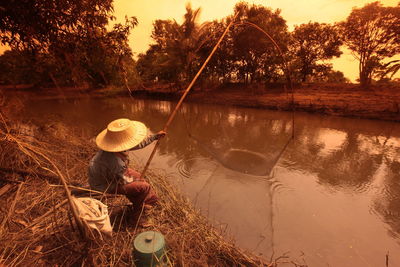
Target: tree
{"type": "Point", "coordinates": [69, 40]}
{"type": "Point", "coordinates": [221, 66]}
{"type": "Point", "coordinates": [256, 56]}
{"type": "Point", "coordinates": [35, 24]}
{"type": "Point", "coordinates": [193, 36]}
{"type": "Point", "coordinates": [336, 77]}
{"type": "Point", "coordinates": [388, 70]}
{"type": "Point", "coordinates": [372, 33]}
{"type": "Point", "coordinates": [104, 56]}
{"type": "Point", "coordinates": [312, 43]}
{"type": "Point", "coordinates": [162, 61]}
{"type": "Point", "coordinates": [176, 50]}
{"type": "Point", "coordinates": [15, 68]}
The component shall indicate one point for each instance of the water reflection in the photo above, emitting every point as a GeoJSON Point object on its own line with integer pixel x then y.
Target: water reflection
{"type": "Point", "coordinates": [244, 202]}
{"type": "Point", "coordinates": [387, 199]}
{"type": "Point", "coordinates": [342, 160]}
{"type": "Point", "coordinates": [334, 165]}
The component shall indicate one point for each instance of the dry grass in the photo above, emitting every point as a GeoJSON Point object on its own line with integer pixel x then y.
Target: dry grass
{"type": "Point", "coordinates": [36, 228]}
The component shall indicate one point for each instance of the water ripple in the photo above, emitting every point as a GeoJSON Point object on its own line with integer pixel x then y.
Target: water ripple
{"type": "Point", "coordinates": [182, 168]}
{"type": "Point", "coordinates": [189, 168]}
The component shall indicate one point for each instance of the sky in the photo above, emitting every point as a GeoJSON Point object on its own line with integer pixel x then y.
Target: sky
{"type": "Point", "coordinates": [295, 12]}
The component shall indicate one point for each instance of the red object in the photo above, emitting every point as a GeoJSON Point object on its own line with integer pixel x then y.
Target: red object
{"type": "Point", "coordinates": [139, 192]}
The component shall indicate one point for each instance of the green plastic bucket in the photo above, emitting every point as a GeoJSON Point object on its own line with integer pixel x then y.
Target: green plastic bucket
{"type": "Point", "coordinates": [149, 249]}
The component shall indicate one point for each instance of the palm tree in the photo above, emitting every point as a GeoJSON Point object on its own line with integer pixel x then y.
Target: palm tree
{"type": "Point", "coordinates": [175, 57]}
{"type": "Point", "coordinates": [183, 49]}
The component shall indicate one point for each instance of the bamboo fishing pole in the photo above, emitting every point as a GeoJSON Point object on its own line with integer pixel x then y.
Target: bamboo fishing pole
{"type": "Point", "coordinates": [171, 117]}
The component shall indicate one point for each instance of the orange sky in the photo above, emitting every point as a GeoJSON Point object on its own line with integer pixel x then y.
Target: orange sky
{"type": "Point", "coordinates": [293, 11]}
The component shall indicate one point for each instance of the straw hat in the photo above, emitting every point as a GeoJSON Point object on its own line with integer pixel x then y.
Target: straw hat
{"type": "Point", "coordinates": [121, 135]}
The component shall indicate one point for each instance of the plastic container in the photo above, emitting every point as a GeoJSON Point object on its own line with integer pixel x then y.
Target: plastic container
{"type": "Point", "coordinates": [149, 249]}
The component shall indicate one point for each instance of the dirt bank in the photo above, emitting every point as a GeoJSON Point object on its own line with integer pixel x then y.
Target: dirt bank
{"type": "Point", "coordinates": [381, 102]}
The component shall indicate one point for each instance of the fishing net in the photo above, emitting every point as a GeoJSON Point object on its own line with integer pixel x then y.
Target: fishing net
{"type": "Point", "coordinates": [239, 159]}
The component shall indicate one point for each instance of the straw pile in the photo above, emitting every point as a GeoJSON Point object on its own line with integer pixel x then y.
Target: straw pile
{"type": "Point", "coordinates": [36, 226]}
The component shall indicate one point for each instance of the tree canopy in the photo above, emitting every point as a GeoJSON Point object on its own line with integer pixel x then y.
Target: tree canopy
{"type": "Point", "coordinates": [38, 23]}
{"type": "Point", "coordinates": [175, 54]}
{"type": "Point", "coordinates": [372, 33]}
{"type": "Point", "coordinates": [73, 42]}
{"type": "Point", "coordinates": [255, 55]}
{"type": "Point", "coordinates": [313, 43]}
{"type": "Point", "coordinates": [68, 41]}
{"type": "Point", "coordinates": [245, 54]}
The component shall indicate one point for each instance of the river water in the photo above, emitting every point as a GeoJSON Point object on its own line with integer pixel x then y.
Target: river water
{"type": "Point", "coordinates": [331, 198]}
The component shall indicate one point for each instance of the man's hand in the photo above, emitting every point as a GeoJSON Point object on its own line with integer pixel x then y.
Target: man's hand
{"type": "Point", "coordinates": [161, 134]}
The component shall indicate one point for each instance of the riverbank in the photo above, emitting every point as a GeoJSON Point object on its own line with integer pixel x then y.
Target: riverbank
{"type": "Point", "coordinates": [36, 225]}
{"type": "Point", "coordinates": [349, 100]}
{"type": "Point", "coordinates": [380, 102]}
{"type": "Point", "coordinates": [37, 229]}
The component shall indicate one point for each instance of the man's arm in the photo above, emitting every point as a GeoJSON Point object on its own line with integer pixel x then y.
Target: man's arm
{"type": "Point", "coordinates": [148, 140]}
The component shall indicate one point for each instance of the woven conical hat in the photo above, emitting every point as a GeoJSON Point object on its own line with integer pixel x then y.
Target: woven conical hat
{"type": "Point", "coordinates": [121, 135]}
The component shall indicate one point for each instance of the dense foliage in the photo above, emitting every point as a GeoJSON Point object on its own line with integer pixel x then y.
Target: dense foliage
{"type": "Point", "coordinates": [246, 55]}
{"type": "Point", "coordinates": [64, 42]}
{"type": "Point", "coordinates": [71, 43]}
{"type": "Point", "coordinates": [372, 33]}
{"type": "Point", "coordinates": [313, 43]}
{"type": "Point", "coordinates": [175, 55]}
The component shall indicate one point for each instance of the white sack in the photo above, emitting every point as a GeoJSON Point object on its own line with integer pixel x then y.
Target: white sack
{"type": "Point", "coordinates": [94, 215]}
